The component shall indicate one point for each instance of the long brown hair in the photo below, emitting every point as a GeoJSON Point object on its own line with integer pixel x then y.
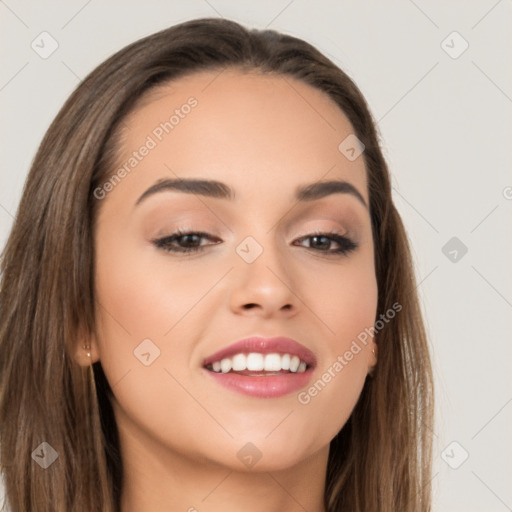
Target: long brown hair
{"type": "Point", "coordinates": [381, 458]}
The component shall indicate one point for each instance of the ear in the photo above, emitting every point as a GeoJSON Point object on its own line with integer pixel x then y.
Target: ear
{"type": "Point", "coordinates": [373, 364]}
{"type": "Point", "coordinates": [85, 350]}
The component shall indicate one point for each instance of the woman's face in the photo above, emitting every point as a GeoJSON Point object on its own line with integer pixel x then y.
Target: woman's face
{"type": "Point", "coordinates": [258, 270]}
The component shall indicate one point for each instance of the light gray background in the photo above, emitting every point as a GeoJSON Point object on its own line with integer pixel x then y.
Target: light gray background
{"type": "Point", "coordinates": [447, 132]}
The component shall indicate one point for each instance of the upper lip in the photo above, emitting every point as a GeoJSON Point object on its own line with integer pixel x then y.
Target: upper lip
{"type": "Point", "coordinates": [279, 345]}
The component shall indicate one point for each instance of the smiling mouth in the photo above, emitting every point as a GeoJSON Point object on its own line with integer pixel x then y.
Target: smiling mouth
{"type": "Point", "coordinates": [255, 364]}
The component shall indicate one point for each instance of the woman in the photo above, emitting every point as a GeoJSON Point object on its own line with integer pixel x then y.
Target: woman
{"type": "Point", "coordinates": [207, 298]}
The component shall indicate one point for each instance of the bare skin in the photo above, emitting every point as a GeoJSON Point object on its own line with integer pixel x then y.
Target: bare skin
{"type": "Point", "coordinates": [180, 430]}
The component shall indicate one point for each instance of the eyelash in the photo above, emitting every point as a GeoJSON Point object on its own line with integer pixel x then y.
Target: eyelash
{"type": "Point", "coordinates": [346, 244]}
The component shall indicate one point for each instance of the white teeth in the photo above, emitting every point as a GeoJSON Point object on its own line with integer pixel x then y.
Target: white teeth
{"type": "Point", "coordinates": [239, 363]}
{"type": "Point", "coordinates": [294, 364]}
{"type": "Point", "coordinates": [272, 363]}
{"type": "Point", "coordinates": [257, 362]}
{"type": "Point", "coordinates": [225, 365]}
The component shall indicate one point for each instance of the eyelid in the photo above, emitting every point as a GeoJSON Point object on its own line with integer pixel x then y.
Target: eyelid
{"type": "Point", "coordinates": [323, 230]}
{"type": "Point", "coordinates": [346, 244]}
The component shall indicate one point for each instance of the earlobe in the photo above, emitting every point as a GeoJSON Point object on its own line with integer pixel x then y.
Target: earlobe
{"type": "Point", "coordinates": [371, 368]}
{"type": "Point", "coordinates": [86, 352]}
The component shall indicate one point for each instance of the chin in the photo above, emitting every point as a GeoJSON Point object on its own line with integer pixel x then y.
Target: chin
{"type": "Point", "coordinates": [260, 454]}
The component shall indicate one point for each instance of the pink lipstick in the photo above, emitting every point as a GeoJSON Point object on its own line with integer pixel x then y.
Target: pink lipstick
{"type": "Point", "coordinates": [262, 367]}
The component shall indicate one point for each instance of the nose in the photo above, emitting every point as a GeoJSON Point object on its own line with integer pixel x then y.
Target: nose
{"type": "Point", "coordinates": [264, 287]}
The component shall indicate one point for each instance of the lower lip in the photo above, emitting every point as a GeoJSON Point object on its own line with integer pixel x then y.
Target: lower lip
{"type": "Point", "coordinates": [263, 387]}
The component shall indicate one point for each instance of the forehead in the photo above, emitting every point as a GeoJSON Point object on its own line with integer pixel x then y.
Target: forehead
{"type": "Point", "coordinates": [258, 132]}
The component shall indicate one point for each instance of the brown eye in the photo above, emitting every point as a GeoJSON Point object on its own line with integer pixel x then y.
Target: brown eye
{"type": "Point", "coordinates": [182, 242]}
{"type": "Point", "coordinates": [321, 242]}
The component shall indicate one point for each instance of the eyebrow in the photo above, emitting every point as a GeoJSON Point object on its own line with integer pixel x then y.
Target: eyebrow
{"type": "Point", "coordinates": [219, 190]}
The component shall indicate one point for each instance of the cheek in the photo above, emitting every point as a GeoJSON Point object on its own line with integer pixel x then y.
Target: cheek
{"type": "Point", "coordinates": [348, 308]}
{"type": "Point", "coordinates": [143, 296]}
{"type": "Point", "coordinates": [139, 307]}
{"type": "Point", "coordinates": [145, 337]}
{"type": "Point", "coordinates": [345, 299]}
{"type": "Point", "coordinates": [357, 305]}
